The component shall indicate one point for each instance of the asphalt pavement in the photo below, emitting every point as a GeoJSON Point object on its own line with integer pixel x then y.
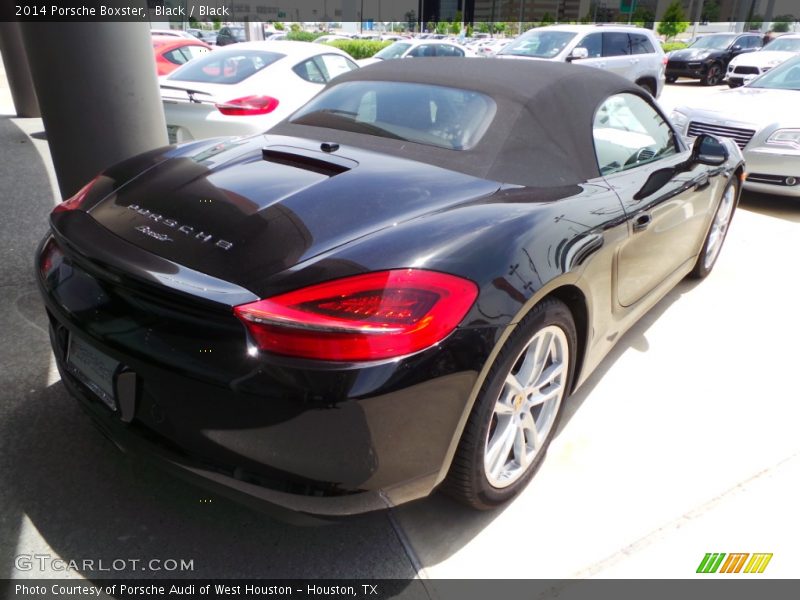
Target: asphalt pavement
{"type": "Point", "coordinates": [683, 442]}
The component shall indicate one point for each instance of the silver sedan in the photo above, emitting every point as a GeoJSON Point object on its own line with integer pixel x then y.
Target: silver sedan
{"type": "Point", "coordinates": [763, 119]}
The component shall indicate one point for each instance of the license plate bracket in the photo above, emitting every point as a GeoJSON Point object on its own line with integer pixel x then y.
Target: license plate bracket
{"type": "Point", "coordinates": [93, 369]}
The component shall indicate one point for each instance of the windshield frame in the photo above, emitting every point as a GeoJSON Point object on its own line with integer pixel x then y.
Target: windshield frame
{"type": "Point", "coordinates": [776, 72]}
{"type": "Point", "coordinates": [700, 43]}
{"type": "Point", "coordinates": [521, 41]}
{"type": "Point", "coordinates": [777, 41]}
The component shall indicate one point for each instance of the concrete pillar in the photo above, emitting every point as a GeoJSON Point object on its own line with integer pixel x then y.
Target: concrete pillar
{"type": "Point", "coordinates": [18, 72]}
{"type": "Point", "coordinates": [98, 93]}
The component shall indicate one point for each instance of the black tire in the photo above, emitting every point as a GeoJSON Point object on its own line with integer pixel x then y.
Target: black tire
{"type": "Point", "coordinates": [468, 481]}
{"type": "Point", "coordinates": [647, 87]}
{"type": "Point", "coordinates": [705, 264]}
{"type": "Point", "coordinates": [671, 79]}
{"type": "Point", "coordinates": [732, 84]}
{"type": "Point", "coordinates": [714, 74]}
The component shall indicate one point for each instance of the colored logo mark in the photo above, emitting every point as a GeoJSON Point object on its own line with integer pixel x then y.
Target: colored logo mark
{"type": "Point", "coordinates": [719, 562]}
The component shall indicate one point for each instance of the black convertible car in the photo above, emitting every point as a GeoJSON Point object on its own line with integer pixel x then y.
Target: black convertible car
{"type": "Point", "coordinates": [394, 289]}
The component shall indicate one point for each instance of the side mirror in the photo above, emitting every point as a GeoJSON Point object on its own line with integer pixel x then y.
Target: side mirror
{"type": "Point", "coordinates": [578, 54]}
{"type": "Point", "coordinates": [736, 48]}
{"type": "Point", "coordinates": [708, 150]}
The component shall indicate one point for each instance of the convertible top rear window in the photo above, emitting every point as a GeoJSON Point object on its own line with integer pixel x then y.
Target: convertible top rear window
{"type": "Point", "coordinates": [226, 67]}
{"type": "Point", "coordinates": [440, 116]}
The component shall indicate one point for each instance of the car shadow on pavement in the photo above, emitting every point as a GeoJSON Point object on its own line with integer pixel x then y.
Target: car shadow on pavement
{"type": "Point", "coordinates": [770, 205]}
{"type": "Point", "coordinates": [441, 526]}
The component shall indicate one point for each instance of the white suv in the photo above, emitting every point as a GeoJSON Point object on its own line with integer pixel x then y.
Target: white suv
{"type": "Point", "coordinates": [632, 52]}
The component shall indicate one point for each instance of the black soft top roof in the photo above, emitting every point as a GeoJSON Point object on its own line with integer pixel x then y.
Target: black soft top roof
{"type": "Point", "coordinates": [541, 134]}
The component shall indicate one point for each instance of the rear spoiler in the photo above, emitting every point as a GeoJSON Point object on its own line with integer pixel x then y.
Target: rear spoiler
{"type": "Point", "coordinates": [189, 92]}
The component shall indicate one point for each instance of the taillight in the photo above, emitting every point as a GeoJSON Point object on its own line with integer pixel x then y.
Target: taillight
{"type": "Point", "coordinates": [75, 201]}
{"type": "Point", "coordinates": [361, 318]}
{"type": "Point", "coordinates": [50, 258]}
{"type": "Point", "coordinates": [664, 60]}
{"type": "Point", "coordinates": [248, 106]}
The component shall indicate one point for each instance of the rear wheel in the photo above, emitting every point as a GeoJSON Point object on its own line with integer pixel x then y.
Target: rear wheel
{"type": "Point", "coordinates": [517, 411]}
{"type": "Point", "coordinates": [717, 232]}
{"type": "Point", "coordinates": [713, 75]}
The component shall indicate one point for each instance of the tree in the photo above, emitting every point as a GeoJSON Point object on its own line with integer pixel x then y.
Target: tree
{"type": "Point", "coordinates": [547, 19]}
{"type": "Point", "coordinates": [643, 17]}
{"type": "Point", "coordinates": [278, 26]}
{"type": "Point", "coordinates": [673, 21]}
{"type": "Point", "coordinates": [710, 12]}
{"type": "Point", "coordinates": [411, 20]}
{"type": "Point", "coordinates": [780, 24]}
{"type": "Point", "coordinates": [483, 27]}
{"type": "Point", "coordinates": [295, 27]}
{"type": "Point", "coordinates": [442, 27]}
{"type": "Point", "coordinates": [754, 24]}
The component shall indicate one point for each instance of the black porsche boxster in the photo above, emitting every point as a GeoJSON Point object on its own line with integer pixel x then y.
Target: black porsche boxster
{"type": "Point", "coordinates": [395, 289]}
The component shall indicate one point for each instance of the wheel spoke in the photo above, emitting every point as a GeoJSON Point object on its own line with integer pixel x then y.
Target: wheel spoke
{"type": "Point", "coordinates": [542, 397]}
{"type": "Point", "coordinates": [504, 406]}
{"type": "Point", "coordinates": [550, 375]}
{"type": "Point", "coordinates": [514, 384]}
{"type": "Point", "coordinates": [500, 448]}
{"type": "Point", "coordinates": [529, 425]}
{"type": "Point", "coordinates": [520, 446]}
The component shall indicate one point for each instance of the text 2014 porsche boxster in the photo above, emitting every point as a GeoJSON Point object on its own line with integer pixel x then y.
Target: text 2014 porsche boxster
{"type": "Point", "coordinates": [395, 288]}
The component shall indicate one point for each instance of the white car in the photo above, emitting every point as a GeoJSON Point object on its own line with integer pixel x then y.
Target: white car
{"type": "Point", "coordinates": [747, 67]}
{"type": "Point", "coordinates": [492, 47]}
{"type": "Point", "coordinates": [332, 37]}
{"type": "Point", "coordinates": [246, 88]}
{"type": "Point", "coordinates": [632, 52]}
{"type": "Point", "coordinates": [416, 49]}
{"type": "Point", "coordinates": [763, 119]}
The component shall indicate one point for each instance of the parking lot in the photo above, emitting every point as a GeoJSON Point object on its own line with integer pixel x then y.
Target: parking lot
{"type": "Point", "coordinates": [683, 442]}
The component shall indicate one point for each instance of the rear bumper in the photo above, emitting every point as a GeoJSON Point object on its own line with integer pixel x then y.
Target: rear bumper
{"type": "Point", "coordinates": [277, 433]}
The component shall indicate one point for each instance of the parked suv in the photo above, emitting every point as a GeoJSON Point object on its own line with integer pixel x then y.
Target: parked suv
{"type": "Point", "coordinates": [631, 52]}
{"type": "Point", "coordinates": [707, 58]}
{"type": "Point", "coordinates": [231, 35]}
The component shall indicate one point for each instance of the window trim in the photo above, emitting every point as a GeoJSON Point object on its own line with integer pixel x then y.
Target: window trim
{"type": "Point", "coordinates": [677, 138]}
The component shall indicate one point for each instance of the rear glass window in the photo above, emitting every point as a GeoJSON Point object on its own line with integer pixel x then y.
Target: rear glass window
{"type": "Point", "coordinates": [426, 114]}
{"type": "Point", "coordinates": [226, 67]}
{"type": "Point", "coordinates": [393, 51]}
{"type": "Point", "coordinates": [640, 44]}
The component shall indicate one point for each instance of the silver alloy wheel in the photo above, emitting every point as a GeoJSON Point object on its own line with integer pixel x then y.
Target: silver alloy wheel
{"type": "Point", "coordinates": [719, 227]}
{"type": "Point", "coordinates": [526, 407]}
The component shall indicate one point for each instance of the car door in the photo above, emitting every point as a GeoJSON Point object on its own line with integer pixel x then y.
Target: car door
{"type": "Point", "coordinates": [667, 204]}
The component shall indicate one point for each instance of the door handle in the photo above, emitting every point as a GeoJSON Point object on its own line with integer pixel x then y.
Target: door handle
{"type": "Point", "coordinates": [641, 222]}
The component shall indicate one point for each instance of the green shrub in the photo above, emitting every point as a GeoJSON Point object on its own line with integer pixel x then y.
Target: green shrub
{"type": "Point", "coordinates": [670, 46]}
{"type": "Point", "coordinates": [359, 49]}
{"type": "Point", "coordinates": [303, 36]}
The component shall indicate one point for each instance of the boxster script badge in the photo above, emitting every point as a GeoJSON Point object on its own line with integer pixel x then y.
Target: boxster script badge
{"type": "Point", "coordinates": [201, 236]}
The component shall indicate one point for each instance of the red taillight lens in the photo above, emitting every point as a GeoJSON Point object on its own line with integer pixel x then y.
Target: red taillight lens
{"type": "Point", "coordinates": [248, 106]}
{"type": "Point", "coordinates": [50, 258]}
{"type": "Point", "coordinates": [664, 60]}
{"type": "Point", "coordinates": [361, 318]}
{"type": "Point", "coordinates": [77, 199]}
